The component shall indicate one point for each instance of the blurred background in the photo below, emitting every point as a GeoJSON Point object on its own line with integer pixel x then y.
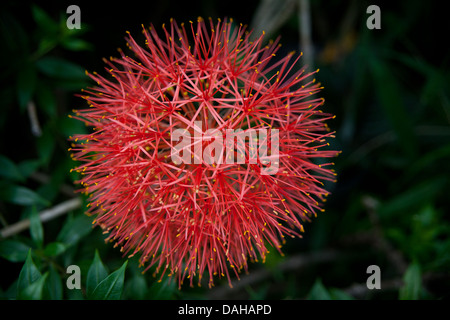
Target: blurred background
{"type": "Point", "coordinates": [388, 87]}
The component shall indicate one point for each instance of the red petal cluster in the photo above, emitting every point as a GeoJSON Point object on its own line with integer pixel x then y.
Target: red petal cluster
{"type": "Point", "coordinates": [189, 220]}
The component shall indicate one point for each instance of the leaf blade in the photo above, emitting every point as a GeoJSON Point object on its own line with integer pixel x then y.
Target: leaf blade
{"type": "Point", "coordinates": [35, 290]}
{"type": "Point", "coordinates": [412, 283]}
{"type": "Point", "coordinates": [61, 69]}
{"type": "Point", "coordinates": [36, 229]}
{"type": "Point", "coordinates": [319, 292]}
{"type": "Point", "coordinates": [13, 250]}
{"type": "Point", "coordinates": [21, 195]}
{"type": "Point", "coordinates": [390, 99]}
{"type": "Point", "coordinates": [9, 170]}
{"type": "Point", "coordinates": [54, 285]}
{"type": "Point", "coordinates": [28, 275]}
{"type": "Point", "coordinates": [26, 84]}
{"type": "Point", "coordinates": [96, 274]}
{"type": "Point", "coordinates": [54, 249]}
{"type": "Point", "coordinates": [74, 230]}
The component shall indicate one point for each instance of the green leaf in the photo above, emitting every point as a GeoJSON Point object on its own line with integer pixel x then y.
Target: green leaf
{"type": "Point", "coordinates": [27, 167]}
{"type": "Point", "coordinates": [9, 170]}
{"type": "Point", "coordinates": [319, 292]}
{"type": "Point", "coordinates": [47, 31]}
{"type": "Point", "coordinates": [36, 229]}
{"type": "Point", "coordinates": [54, 249]}
{"type": "Point", "coordinates": [43, 20]}
{"type": "Point", "coordinates": [74, 230]}
{"type": "Point", "coordinates": [46, 100]}
{"type": "Point", "coordinates": [26, 83]}
{"type": "Point", "coordinates": [28, 275]}
{"type": "Point", "coordinates": [338, 294]}
{"type": "Point", "coordinates": [70, 126]}
{"type": "Point", "coordinates": [96, 274]}
{"type": "Point", "coordinates": [429, 159]}
{"type": "Point", "coordinates": [72, 84]}
{"type": "Point", "coordinates": [76, 44]}
{"type": "Point", "coordinates": [111, 288]}
{"type": "Point", "coordinates": [389, 95]}
{"type": "Point", "coordinates": [72, 33]}
{"type": "Point", "coordinates": [136, 288]}
{"type": "Point", "coordinates": [21, 195]}
{"type": "Point", "coordinates": [260, 294]}
{"type": "Point", "coordinates": [54, 285]}
{"type": "Point", "coordinates": [46, 44]}
{"type": "Point", "coordinates": [34, 291]}
{"type": "Point", "coordinates": [412, 283]}
{"type": "Point", "coordinates": [412, 198]}
{"type": "Point", "coordinates": [13, 250]}
{"type": "Point", "coordinates": [46, 145]}
{"type": "Point", "coordinates": [60, 68]}
{"type": "Point", "coordinates": [164, 290]}
{"type": "Point", "coordinates": [74, 295]}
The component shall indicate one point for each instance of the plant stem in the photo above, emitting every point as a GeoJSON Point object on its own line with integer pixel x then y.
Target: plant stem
{"type": "Point", "coordinates": [44, 216]}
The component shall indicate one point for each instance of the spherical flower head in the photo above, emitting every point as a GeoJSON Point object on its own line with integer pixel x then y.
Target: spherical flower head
{"type": "Point", "coordinates": [203, 149]}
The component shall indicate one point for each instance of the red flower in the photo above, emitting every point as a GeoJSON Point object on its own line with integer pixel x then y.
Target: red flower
{"type": "Point", "coordinates": [188, 218]}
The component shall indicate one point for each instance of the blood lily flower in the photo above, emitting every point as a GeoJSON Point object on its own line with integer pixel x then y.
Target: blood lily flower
{"type": "Point", "coordinates": [189, 219]}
